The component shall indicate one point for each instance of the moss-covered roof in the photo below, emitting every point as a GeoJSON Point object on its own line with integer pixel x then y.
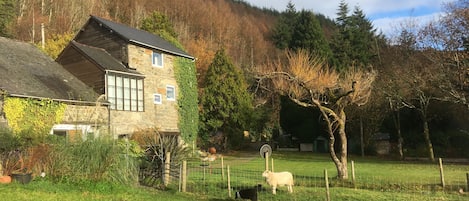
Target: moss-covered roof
{"type": "Point", "coordinates": [26, 71]}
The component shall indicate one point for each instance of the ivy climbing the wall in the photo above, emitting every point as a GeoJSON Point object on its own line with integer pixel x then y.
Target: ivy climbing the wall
{"type": "Point", "coordinates": [185, 72]}
{"type": "Point", "coordinates": [188, 99]}
{"type": "Point", "coordinates": [32, 119]}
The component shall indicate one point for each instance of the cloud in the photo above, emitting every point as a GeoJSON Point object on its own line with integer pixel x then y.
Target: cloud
{"type": "Point", "coordinates": [391, 27]}
{"type": "Point", "coordinates": [385, 14]}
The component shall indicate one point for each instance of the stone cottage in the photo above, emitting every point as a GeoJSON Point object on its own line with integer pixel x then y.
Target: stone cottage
{"type": "Point", "coordinates": [132, 69]}
{"type": "Point", "coordinates": [27, 73]}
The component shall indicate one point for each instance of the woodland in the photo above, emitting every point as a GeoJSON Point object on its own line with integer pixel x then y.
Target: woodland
{"type": "Point", "coordinates": [297, 70]}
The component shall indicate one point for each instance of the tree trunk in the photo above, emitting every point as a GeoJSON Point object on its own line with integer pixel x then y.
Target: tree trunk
{"type": "Point", "coordinates": [342, 167]}
{"type": "Point", "coordinates": [340, 163]}
{"type": "Point", "coordinates": [400, 140]}
{"type": "Point", "coordinates": [362, 144]}
{"type": "Point", "coordinates": [424, 102]}
{"type": "Point", "coordinates": [426, 134]}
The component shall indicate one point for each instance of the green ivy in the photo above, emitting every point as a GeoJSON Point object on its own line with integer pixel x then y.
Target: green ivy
{"type": "Point", "coordinates": [32, 119]}
{"type": "Point", "coordinates": [188, 98]}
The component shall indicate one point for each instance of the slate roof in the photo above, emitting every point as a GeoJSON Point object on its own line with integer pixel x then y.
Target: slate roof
{"type": "Point", "coordinates": [103, 58]}
{"type": "Point", "coordinates": [142, 37]}
{"type": "Point", "coordinates": [26, 71]}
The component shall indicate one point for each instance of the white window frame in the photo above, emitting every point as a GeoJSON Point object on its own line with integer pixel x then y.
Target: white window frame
{"type": "Point", "coordinates": [157, 99]}
{"type": "Point", "coordinates": [125, 92]}
{"type": "Point", "coordinates": [154, 62]}
{"type": "Point", "coordinates": [170, 96]}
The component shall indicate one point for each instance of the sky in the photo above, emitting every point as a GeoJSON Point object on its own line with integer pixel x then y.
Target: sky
{"type": "Point", "coordinates": [386, 15]}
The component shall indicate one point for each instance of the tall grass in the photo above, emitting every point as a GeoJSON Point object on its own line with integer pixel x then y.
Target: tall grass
{"type": "Point", "coordinates": [96, 160]}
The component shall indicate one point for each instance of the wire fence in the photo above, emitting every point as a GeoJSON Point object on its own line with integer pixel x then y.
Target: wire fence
{"type": "Point", "coordinates": [215, 179]}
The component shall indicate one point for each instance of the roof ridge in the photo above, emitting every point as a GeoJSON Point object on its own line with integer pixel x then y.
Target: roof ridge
{"type": "Point", "coordinates": [141, 37]}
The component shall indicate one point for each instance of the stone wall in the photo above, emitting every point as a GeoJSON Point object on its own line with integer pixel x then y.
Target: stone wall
{"type": "Point", "coordinates": [91, 115]}
{"type": "Point", "coordinates": [163, 116]}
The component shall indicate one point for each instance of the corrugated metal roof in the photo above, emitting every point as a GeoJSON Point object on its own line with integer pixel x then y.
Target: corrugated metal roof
{"type": "Point", "coordinates": [26, 71]}
{"type": "Point", "coordinates": [142, 37]}
{"type": "Point", "coordinates": [104, 59]}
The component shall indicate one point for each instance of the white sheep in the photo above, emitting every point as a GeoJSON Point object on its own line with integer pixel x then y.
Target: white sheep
{"type": "Point", "coordinates": [275, 179]}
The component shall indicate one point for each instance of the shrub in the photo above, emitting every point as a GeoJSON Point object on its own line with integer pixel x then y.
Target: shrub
{"type": "Point", "coordinates": [156, 146]}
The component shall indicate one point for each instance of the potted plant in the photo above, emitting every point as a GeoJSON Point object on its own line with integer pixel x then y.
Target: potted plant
{"type": "Point", "coordinates": [8, 144]}
{"type": "Point", "coordinates": [23, 172]}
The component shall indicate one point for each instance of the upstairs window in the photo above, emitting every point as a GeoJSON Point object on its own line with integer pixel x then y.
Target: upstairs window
{"type": "Point", "coordinates": [157, 99]}
{"type": "Point", "coordinates": [170, 92]}
{"type": "Point", "coordinates": [157, 59]}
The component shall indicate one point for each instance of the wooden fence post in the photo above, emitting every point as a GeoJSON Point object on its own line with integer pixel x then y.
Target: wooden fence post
{"type": "Point", "coordinates": [167, 167]}
{"type": "Point", "coordinates": [180, 179]}
{"type": "Point", "coordinates": [442, 175]}
{"type": "Point", "coordinates": [272, 163]}
{"type": "Point", "coordinates": [467, 180]}
{"type": "Point", "coordinates": [353, 173]}
{"type": "Point", "coordinates": [229, 185]}
{"type": "Point", "coordinates": [184, 175]}
{"type": "Point", "coordinates": [326, 178]}
{"type": "Point", "coordinates": [222, 170]}
{"type": "Point", "coordinates": [266, 156]}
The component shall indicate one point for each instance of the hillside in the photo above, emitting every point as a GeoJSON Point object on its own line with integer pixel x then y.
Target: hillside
{"type": "Point", "coordinates": [202, 25]}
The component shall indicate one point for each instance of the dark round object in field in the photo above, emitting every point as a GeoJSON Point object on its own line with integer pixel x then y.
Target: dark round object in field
{"type": "Point", "coordinates": [212, 150]}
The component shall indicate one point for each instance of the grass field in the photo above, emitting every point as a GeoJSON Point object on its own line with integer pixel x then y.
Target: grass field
{"type": "Point", "coordinates": [376, 179]}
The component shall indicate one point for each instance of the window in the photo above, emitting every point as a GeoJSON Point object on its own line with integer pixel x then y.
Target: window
{"type": "Point", "coordinates": [170, 92]}
{"type": "Point", "coordinates": [157, 99]}
{"type": "Point", "coordinates": [157, 59]}
{"type": "Point", "coordinates": [125, 92]}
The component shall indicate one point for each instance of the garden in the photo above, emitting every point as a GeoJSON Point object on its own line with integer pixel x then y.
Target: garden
{"type": "Point", "coordinates": [103, 169]}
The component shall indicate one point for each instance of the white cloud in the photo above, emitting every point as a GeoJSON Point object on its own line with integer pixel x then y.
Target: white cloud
{"type": "Point", "coordinates": [392, 26]}
{"type": "Point", "coordinates": [385, 14]}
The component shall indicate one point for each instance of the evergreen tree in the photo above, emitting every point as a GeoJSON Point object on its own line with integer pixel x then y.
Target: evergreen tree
{"type": "Point", "coordinates": [364, 38]}
{"type": "Point", "coordinates": [7, 14]}
{"type": "Point", "coordinates": [308, 35]}
{"type": "Point", "coordinates": [341, 40]}
{"type": "Point", "coordinates": [355, 41]}
{"type": "Point", "coordinates": [282, 32]}
{"type": "Point", "coordinates": [159, 24]}
{"type": "Point", "coordinates": [226, 102]}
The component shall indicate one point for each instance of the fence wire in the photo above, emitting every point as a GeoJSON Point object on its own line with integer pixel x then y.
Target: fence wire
{"type": "Point", "coordinates": [211, 179]}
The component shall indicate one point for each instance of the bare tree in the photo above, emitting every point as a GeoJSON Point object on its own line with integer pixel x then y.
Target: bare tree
{"type": "Point", "coordinates": [308, 82]}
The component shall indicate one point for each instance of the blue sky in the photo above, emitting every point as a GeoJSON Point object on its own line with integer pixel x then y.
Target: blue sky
{"type": "Point", "coordinates": [386, 15]}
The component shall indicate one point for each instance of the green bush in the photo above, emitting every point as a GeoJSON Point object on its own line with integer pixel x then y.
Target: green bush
{"type": "Point", "coordinates": [152, 165]}
{"type": "Point", "coordinates": [8, 141]}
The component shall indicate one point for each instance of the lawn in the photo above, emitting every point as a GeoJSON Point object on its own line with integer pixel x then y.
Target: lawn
{"type": "Point", "coordinates": [376, 179]}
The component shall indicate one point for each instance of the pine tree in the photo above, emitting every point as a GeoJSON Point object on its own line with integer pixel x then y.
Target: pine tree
{"type": "Point", "coordinates": [226, 103]}
{"type": "Point", "coordinates": [355, 41]}
{"type": "Point", "coordinates": [364, 38]}
{"type": "Point", "coordinates": [340, 44]}
{"type": "Point", "coordinates": [282, 32]}
{"type": "Point", "coordinates": [308, 35]}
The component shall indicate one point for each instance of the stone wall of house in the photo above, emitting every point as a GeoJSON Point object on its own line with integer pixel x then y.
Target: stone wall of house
{"type": "Point", "coordinates": [89, 115]}
{"type": "Point", "coordinates": [163, 116]}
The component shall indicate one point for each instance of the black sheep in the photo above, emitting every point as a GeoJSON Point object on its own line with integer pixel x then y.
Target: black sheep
{"type": "Point", "coordinates": [249, 193]}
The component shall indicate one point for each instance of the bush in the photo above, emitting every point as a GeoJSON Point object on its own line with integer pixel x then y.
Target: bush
{"type": "Point", "coordinates": [156, 146]}
{"type": "Point", "coordinates": [9, 143]}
